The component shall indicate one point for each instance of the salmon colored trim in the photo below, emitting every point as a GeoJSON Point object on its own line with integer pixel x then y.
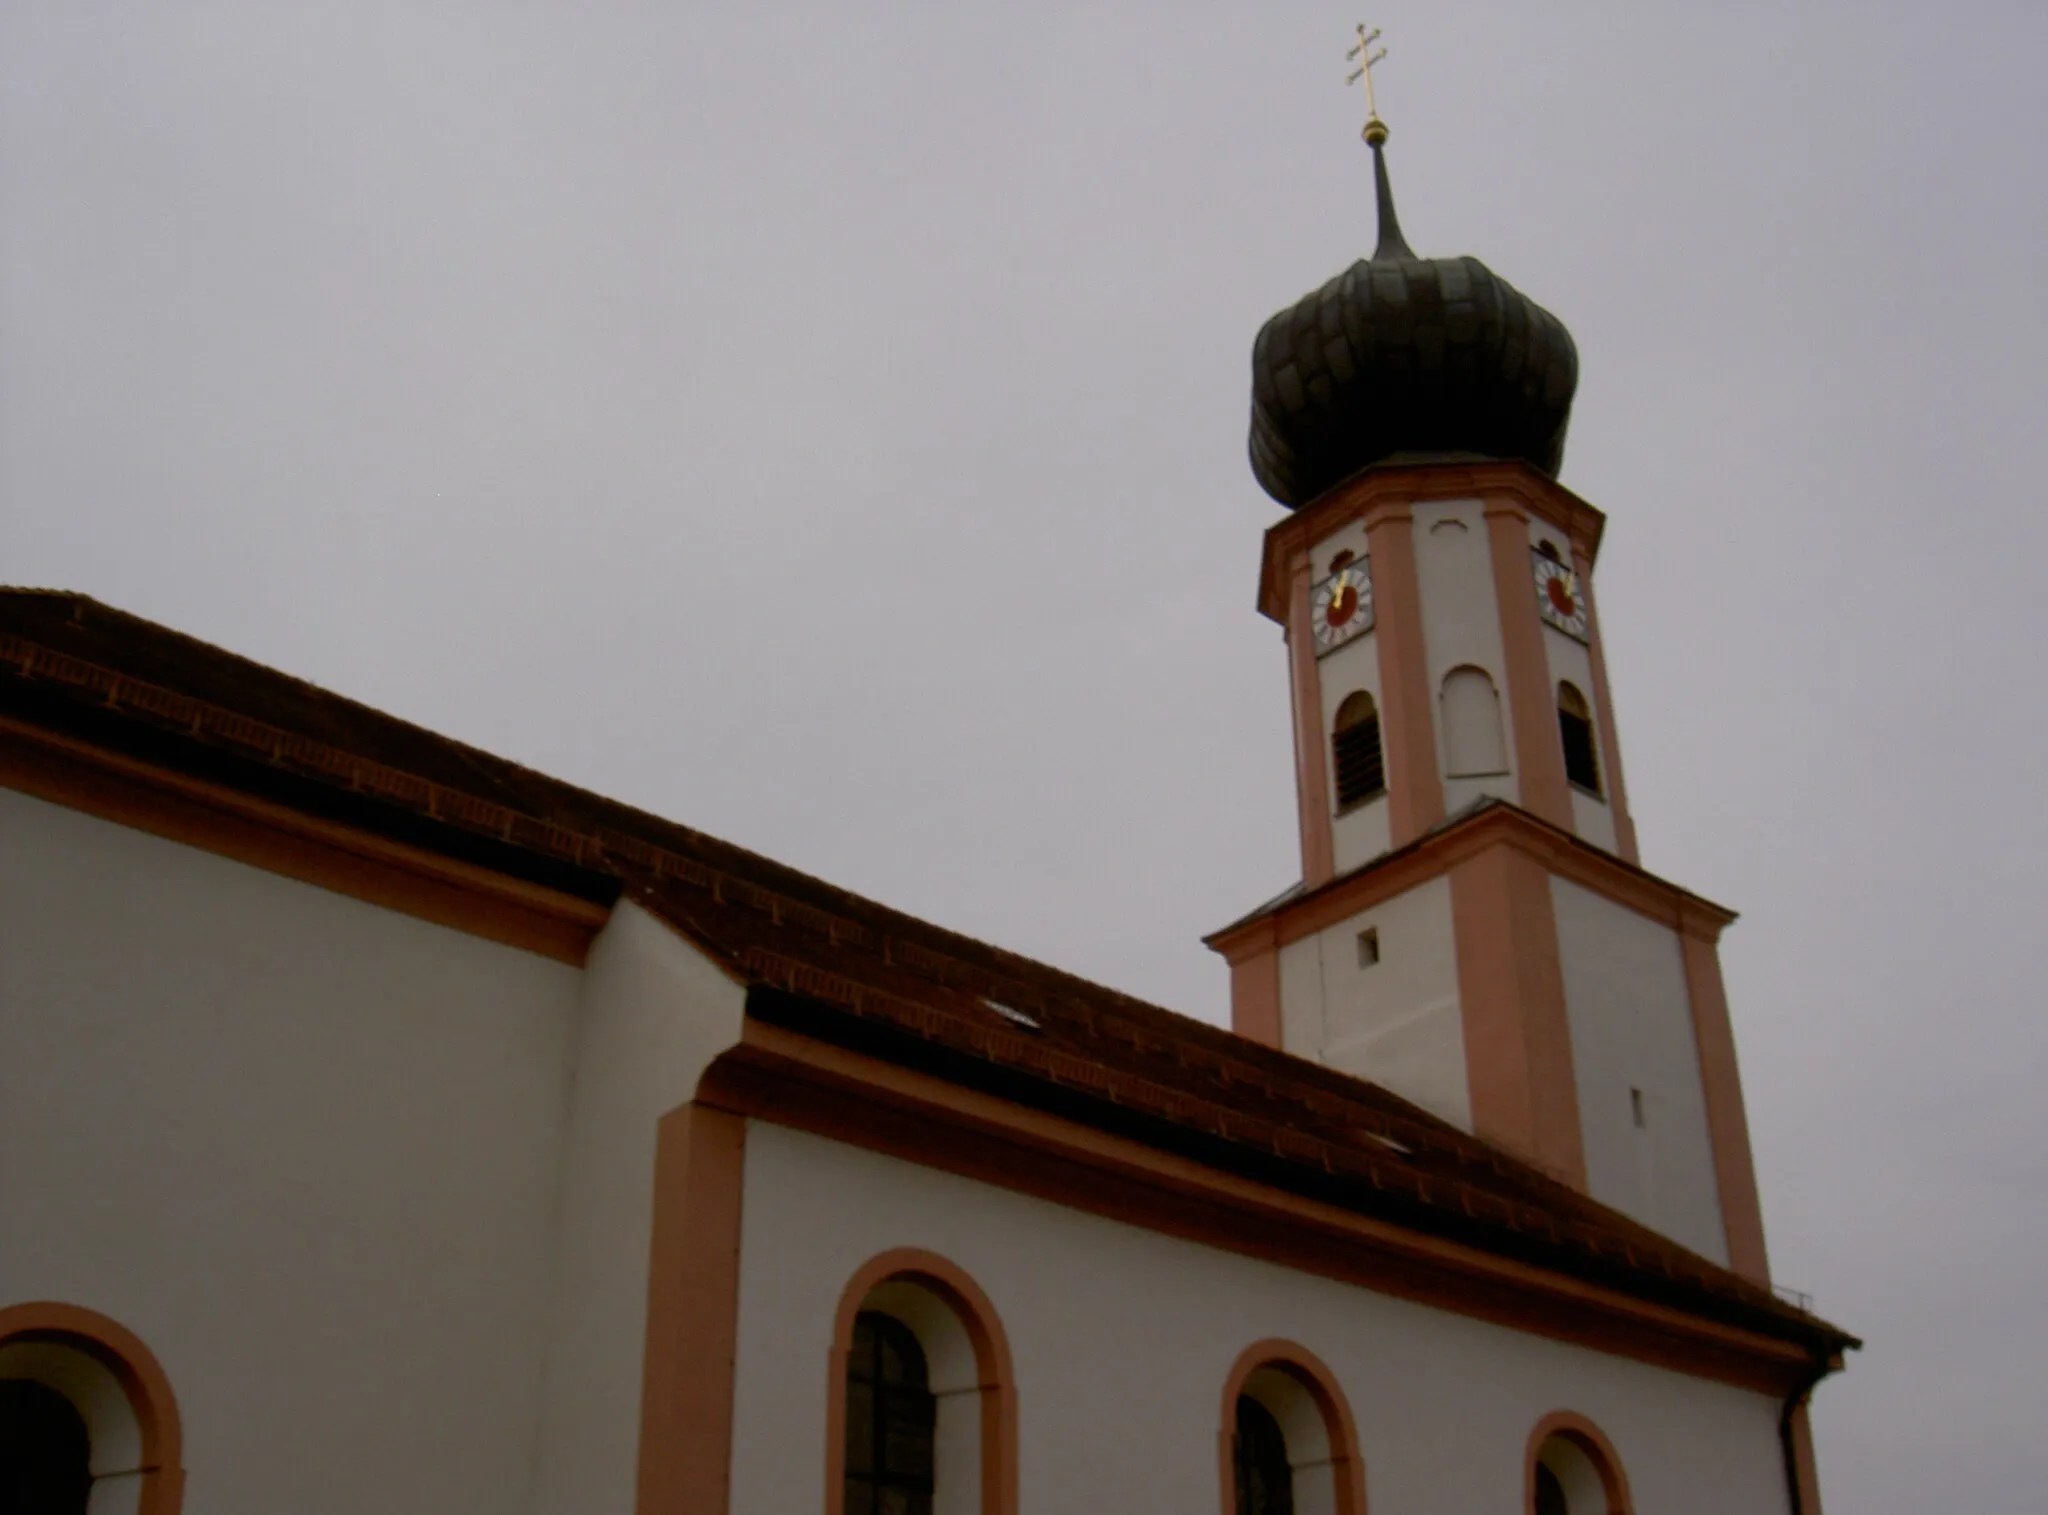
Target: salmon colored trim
{"type": "Point", "coordinates": [1415, 786]}
{"type": "Point", "coordinates": [1532, 705]}
{"type": "Point", "coordinates": [1311, 757]}
{"type": "Point", "coordinates": [1742, 1216]}
{"type": "Point", "coordinates": [1420, 483]}
{"type": "Point", "coordinates": [1255, 996]}
{"type": "Point", "coordinates": [693, 1283]}
{"type": "Point", "coordinates": [121, 1352]}
{"type": "Point", "coordinates": [1565, 855]}
{"type": "Point", "coordinates": [996, 1378]}
{"type": "Point", "coordinates": [1805, 1469]}
{"type": "Point", "coordinates": [1347, 1468]}
{"type": "Point", "coordinates": [281, 840]}
{"type": "Point", "coordinates": [1518, 1041]}
{"type": "Point", "coordinates": [1603, 710]}
{"type": "Point", "coordinates": [797, 1081]}
{"type": "Point", "coordinates": [1591, 1440]}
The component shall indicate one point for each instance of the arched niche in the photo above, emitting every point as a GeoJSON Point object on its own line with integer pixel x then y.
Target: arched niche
{"type": "Point", "coordinates": [119, 1390]}
{"type": "Point", "coordinates": [1300, 1392]}
{"type": "Point", "coordinates": [968, 1372]}
{"type": "Point", "coordinates": [1584, 1470]}
{"type": "Point", "coordinates": [1475, 740]}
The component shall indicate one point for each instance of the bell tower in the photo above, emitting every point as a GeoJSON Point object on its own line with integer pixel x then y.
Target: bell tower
{"type": "Point", "coordinates": [1473, 928]}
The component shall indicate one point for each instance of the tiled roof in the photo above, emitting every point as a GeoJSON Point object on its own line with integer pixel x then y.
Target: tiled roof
{"type": "Point", "coordinates": [845, 966]}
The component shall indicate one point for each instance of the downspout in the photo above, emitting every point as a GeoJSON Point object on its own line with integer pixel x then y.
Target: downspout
{"type": "Point", "coordinates": [1788, 1442]}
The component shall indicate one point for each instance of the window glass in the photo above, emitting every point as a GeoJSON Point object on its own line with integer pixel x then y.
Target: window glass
{"type": "Point", "coordinates": [890, 1416]}
{"type": "Point", "coordinates": [1265, 1482]}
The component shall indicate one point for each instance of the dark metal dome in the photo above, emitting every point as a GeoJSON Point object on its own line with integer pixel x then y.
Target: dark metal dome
{"type": "Point", "coordinates": [1403, 355]}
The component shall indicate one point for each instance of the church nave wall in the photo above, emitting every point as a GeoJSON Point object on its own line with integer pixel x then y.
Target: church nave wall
{"type": "Point", "coordinates": [305, 1147]}
{"type": "Point", "coordinates": [1123, 1340]}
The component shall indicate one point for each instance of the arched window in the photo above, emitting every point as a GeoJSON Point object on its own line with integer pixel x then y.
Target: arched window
{"type": "Point", "coordinates": [1575, 731]}
{"type": "Point", "coordinates": [1289, 1446]}
{"type": "Point", "coordinates": [87, 1418]}
{"type": "Point", "coordinates": [1573, 1470]}
{"type": "Point", "coordinates": [1355, 751]}
{"type": "Point", "coordinates": [923, 1407]}
{"type": "Point", "coordinates": [1265, 1478]}
{"type": "Point", "coordinates": [1473, 741]}
{"type": "Point", "coordinates": [890, 1418]}
{"type": "Point", "coordinates": [45, 1452]}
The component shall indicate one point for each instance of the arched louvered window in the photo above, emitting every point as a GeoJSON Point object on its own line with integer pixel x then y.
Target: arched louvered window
{"type": "Point", "coordinates": [1355, 751]}
{"type": "Point", "coordinates": [1265, 1478]}
{"type": "Point", "coordinates": [45, 1453]}
{"type": "Point", "coordinates": [1575, 731]}
{"type": "Point", "coordinates": [890, 1417]}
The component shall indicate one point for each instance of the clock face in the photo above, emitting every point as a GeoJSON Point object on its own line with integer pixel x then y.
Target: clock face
{"type": "Point", "coordinates": [1340, 608]}
{"type": "Point", "coordinates": [1558, 599]}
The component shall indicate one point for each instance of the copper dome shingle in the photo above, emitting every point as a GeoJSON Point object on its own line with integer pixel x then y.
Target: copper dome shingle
{"type": "Point", "coordinates": [1401, 355]}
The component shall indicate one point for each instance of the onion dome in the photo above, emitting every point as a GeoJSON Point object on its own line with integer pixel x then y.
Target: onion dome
{"type": "Point", "coordinates": [1400, 356]}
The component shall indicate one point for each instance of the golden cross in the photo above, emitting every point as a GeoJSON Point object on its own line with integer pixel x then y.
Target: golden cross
{"type": "Point", "coordinates": [1375, 129]}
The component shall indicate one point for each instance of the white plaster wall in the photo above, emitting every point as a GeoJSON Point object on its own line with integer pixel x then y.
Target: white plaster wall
{"type": "Point", "coordinates": [1396, 1022]}
{"type": "Point", "coordinates": [1349, 538]}
{"type": "Point", "coordinates": [1567, 660]}
{"type": "Point", "coordinates": [653, 1014]}
{"type": "Point", "coordinates": [1362, 833]}
{"type": "Point", "coordinates": [1631, 1028]}
{"type": "Point", "coordinates": [1122, 1339]}
{"type": "Point", "coordinates": [305, 1147]}
{"type": "Point", "coordinates": [1461, 625]}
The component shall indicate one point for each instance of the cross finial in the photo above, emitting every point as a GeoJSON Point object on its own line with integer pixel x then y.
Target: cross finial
{"type": "Point", "coordinates": [1375, 129]}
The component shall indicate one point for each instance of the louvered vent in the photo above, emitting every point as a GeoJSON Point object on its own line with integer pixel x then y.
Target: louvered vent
{"type": "Point", "coordinates": [1575, 732]}
{"type": "Point", "coordinates": [1355, 748]}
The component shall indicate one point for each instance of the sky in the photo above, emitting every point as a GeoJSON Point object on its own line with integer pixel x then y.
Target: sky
{"type": "Point", "coordinates": [825, 426]}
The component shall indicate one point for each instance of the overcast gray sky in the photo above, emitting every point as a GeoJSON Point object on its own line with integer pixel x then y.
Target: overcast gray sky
{"type": "Point", "coordinates": [825, 426]}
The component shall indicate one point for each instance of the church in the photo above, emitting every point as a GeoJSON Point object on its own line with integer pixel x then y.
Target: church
{"type": "Point", "coordinates": [386, 1126]}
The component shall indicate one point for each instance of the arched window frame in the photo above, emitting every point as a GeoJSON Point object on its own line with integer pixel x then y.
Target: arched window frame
{"type": "Point", "coordinates": [159, 1470]}
{"type": "Point", "coordinates": [995, 1385]}
{"type": "Point", "coordinates": [1587, 779]}
{"type": "Point", "coordinates": [1357, 712]}
{"type": "Point", "coordinates": [1568, 1426]}
{"type": "Point", "coordinates": [1319, 1385]}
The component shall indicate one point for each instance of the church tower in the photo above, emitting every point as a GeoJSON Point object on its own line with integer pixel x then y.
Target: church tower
{"type": "Point", "coordinates": [1473, 928]}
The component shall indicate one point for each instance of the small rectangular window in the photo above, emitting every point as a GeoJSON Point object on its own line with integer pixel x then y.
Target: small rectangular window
{"type": "Point", "coordinates": [1635, 1107]}
{"type": "Point", "coordinates": [1368, 947]}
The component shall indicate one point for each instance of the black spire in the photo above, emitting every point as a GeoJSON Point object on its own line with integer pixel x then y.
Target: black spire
{"type": "Point", "coordinates": [1391, 244]}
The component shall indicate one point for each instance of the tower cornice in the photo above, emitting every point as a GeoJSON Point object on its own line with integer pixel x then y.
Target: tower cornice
{"type": "Point", "coordinates": [1494, 824]}
{"type": "Point", "coordinates": [1398, 486]}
